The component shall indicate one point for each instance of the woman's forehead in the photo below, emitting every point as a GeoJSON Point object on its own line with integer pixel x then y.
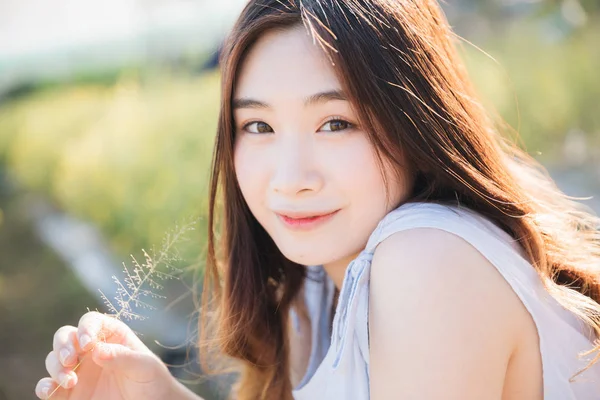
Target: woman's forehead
{"type": "Point", "coordinates": [285, 63]}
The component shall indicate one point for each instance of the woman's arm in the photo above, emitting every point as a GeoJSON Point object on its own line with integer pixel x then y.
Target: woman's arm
{"type": "Point", "coordinates": [441, 319]}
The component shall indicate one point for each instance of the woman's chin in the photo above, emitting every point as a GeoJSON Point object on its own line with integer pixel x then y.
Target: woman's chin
{"type": "Point", "coordinates": [304, 260]}
{"type": "Point", "coordinates": [310, 256]}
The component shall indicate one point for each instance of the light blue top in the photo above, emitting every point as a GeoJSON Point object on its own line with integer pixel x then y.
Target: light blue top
{"type": "Point", "coordinates": [339, 360]}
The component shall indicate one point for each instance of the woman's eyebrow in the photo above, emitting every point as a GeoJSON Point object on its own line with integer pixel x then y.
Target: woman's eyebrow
{"type": "Point", "coordinates": [321, 97]}
{"type": "Point", "coordinates": [324, 97]}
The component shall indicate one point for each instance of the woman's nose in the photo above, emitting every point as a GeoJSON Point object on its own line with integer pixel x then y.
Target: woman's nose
{"type": "Point", "coordinates": [295, 171]}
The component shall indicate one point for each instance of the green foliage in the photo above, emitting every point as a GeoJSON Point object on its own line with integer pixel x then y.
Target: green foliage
{"type": "Point", "coordinates": [542, 86]}
{"type": "Point", "coordinates": [131, 158]}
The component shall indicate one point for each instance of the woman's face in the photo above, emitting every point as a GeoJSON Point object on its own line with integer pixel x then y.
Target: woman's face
{"type": "Point", "coordinates": [308, 172]}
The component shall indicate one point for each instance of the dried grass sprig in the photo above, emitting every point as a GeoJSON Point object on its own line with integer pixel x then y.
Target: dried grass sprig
{"type": "Point", "coordinates": [141, 280]}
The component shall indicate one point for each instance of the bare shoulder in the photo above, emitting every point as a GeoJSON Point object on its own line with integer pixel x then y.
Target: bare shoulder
{"type": "Point", "coordinates": [434, 264]}
{"type": "Point", "coordinates": [439, 306]}
{"type": "Point", "coordinates": [440, 264]}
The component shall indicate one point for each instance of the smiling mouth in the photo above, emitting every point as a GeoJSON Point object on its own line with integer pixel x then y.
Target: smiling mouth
{"type": "Point", "coordinates": [304, 220]}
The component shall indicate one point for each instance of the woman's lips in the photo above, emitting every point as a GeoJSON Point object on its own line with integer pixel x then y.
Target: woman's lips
{"type": "Point", "coordinates": [305, 223]}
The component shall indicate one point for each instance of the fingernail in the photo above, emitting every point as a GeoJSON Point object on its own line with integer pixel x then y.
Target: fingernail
{"type": "Point", "coordinates": [84, 340]}
{"type": "Point", "coordinates": [64, 355]}
{"type": "Point", "coordinates": [64, 380]}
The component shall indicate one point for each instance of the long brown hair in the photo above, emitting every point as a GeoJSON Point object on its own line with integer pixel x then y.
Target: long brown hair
{"type": "Point", "coordinates": [399, 66]}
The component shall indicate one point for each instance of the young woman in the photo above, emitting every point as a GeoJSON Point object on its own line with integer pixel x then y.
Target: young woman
{"type": "Point", "coordinates": [377, 238]}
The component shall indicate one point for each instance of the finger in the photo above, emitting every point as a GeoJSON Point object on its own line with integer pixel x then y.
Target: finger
{"type": "Point", "coordinates": [139, 366]}
{"type": "Point", "coordinates": [66, 345]}
{"type": "Point", "coordinates": [63, 376]}
{"type": "Point", "coordinates": [94, 326]}
{"type": "Point", "coordinates": [46, 387]}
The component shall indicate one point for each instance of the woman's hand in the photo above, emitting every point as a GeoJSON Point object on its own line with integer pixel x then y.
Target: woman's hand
{"type": "Point", "coordinates": [114, 364]}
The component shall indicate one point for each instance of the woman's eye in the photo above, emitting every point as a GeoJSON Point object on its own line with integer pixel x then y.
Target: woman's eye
{"type": "Point", "coordinates": [258, 127]}
{"type": "Point", "coordinates": [336, 125]}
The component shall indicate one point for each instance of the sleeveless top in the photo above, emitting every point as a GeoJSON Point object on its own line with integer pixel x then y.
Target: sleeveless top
{"type": "Point", "coordinates": [338, 366]}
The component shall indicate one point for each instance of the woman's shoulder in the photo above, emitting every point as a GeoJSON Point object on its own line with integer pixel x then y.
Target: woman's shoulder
{"type": "Point", "coordinates": [455, 252]}
{"type": "Point", "coordinates": [452, 302]}
{"type": "Point", "coordinates": [442, 269]}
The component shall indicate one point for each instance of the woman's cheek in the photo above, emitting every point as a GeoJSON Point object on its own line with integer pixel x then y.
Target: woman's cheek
{"type": "Point", "coordinates": [250, 167]}
{"type": "Point", "coordinates": [354, 165]}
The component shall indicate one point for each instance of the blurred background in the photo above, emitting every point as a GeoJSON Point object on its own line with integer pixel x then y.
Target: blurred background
{"type": "Point", "coordinates": [107, 117]}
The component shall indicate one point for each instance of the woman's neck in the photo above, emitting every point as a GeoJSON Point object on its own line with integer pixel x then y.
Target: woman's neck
{"type": "Point", "coordinates": [337, 269]}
